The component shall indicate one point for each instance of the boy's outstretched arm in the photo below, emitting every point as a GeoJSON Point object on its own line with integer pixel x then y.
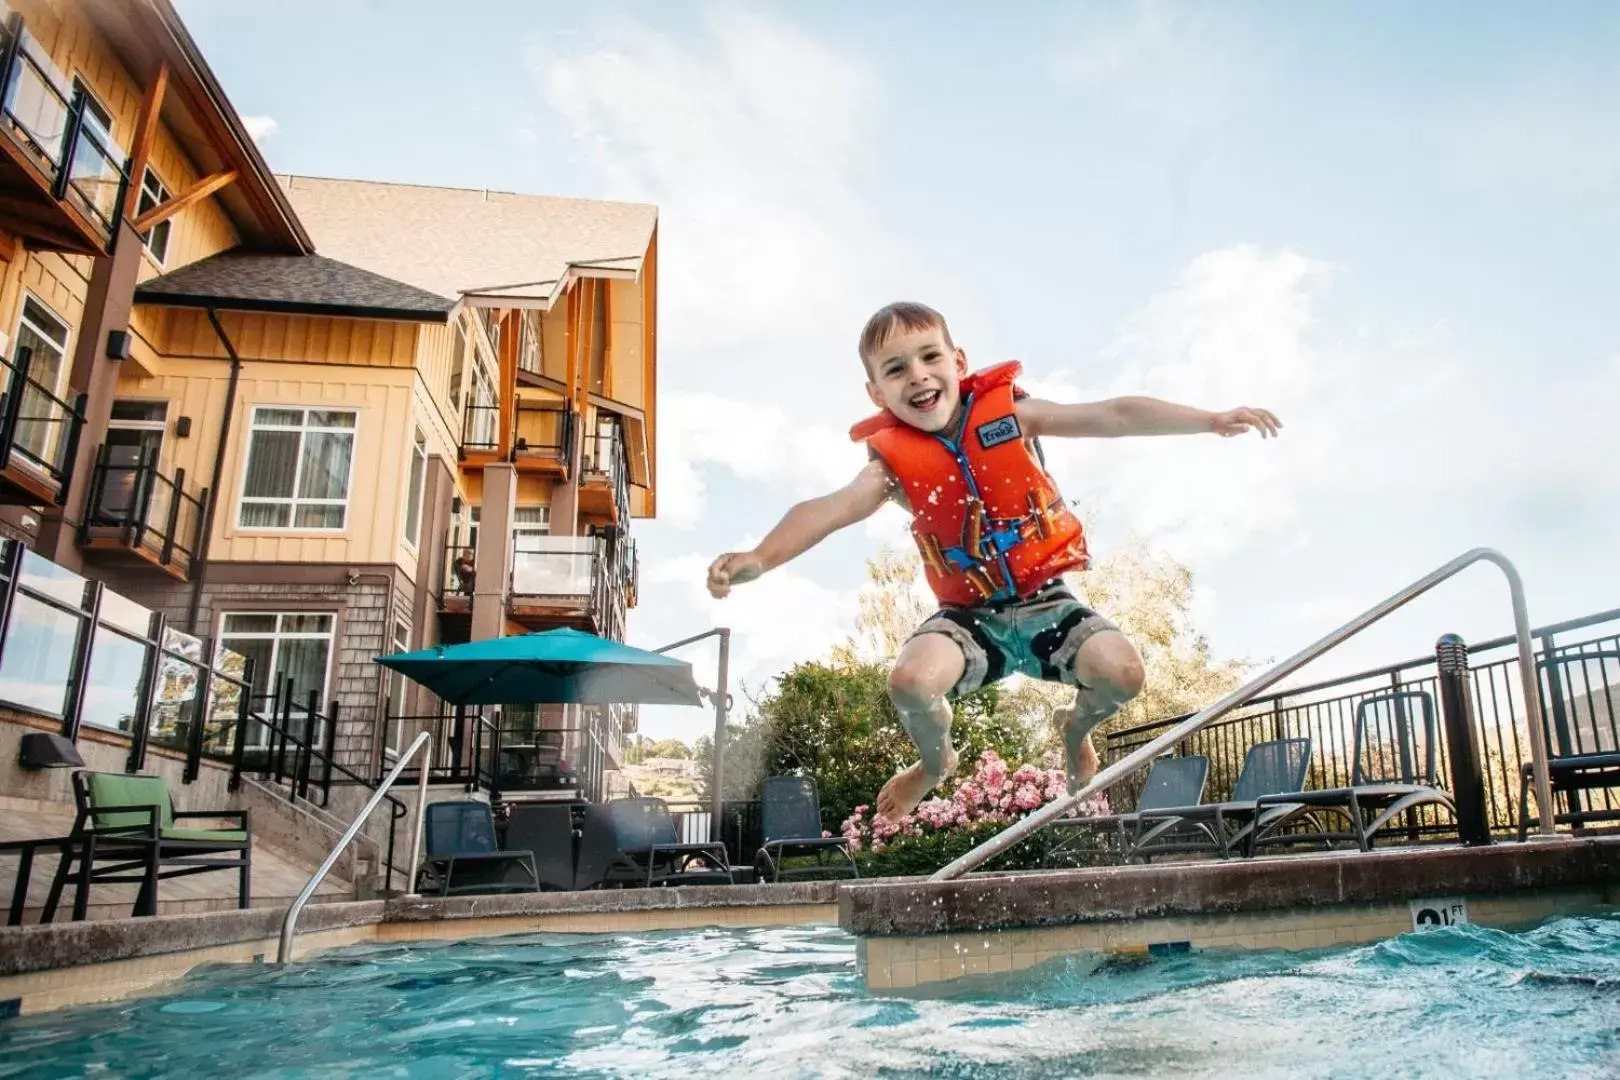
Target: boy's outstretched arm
{"type": "Point", "coordinates": [803, 527]}
{"type": "Point", "coordinates": [1123, 416]}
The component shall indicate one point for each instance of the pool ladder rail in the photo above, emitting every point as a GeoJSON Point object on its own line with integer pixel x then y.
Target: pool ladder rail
{"type": "Point", "coordinates": [1143, 755]}
{"type": "Point", "coordinates": [423, 743]}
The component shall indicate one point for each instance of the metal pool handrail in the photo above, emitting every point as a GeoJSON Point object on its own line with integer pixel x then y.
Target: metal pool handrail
{"type": "Point", "coordinates": [290, 921]}
{"type": "Point", "coordinates": [1146, 753]}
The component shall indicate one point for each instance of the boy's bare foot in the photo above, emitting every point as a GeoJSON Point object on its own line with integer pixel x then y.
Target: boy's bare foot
{"type": "Point", "coordinates": [907, 787]}
{"type": "Point", "coordinates": [1080, 761]}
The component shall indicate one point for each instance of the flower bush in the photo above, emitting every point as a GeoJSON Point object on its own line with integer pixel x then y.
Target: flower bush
{"type": "Point", "coordinates": [977, 806]}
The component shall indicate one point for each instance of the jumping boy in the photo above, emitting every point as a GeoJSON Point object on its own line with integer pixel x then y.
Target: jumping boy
{"type": "Point", "coordinates": [958, 452]}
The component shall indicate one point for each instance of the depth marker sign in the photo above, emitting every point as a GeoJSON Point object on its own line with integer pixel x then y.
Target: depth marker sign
{"type": "Point", "coordinates": [1432, 914]}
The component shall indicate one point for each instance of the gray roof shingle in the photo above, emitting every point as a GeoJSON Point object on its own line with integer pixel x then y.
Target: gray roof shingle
{"type": "Point", "coordinates": [292, 284]}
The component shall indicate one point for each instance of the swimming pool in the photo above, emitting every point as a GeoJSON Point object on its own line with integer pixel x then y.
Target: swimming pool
{"type": "Point", "coordinates": [790, 1002]}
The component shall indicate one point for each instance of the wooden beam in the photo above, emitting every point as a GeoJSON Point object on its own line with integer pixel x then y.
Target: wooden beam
{"type": "Point", "coordinates": [508, 391]}
{"type": "Point", "coordinates": [145, 134]}
{"type": "Point", "coordinates": [195, 193]}
{"type": "Point", "coordinates": [649, 370]}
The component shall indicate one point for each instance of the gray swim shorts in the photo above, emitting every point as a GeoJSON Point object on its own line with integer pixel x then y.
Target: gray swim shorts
{"type": "Point", "coordinates": [1037, 637]}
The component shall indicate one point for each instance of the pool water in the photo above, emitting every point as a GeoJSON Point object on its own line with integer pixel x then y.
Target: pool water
{"type": "Point", "coordinates": [790, 1002]}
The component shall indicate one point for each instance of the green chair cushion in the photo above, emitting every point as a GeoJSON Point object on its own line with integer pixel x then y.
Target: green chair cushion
{"type": "Point", "coordinates": [222, 835]}
{"type": "Point", "coordinates": [119, 789]}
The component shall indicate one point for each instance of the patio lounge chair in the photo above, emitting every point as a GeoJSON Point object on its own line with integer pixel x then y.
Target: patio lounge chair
{"type": "Point", "coordinates": [1171, 782]}
{"type": "Point", "coordinates": [645, 834]}
{"type": "Point", "coordinates": [1582, 723]}
{"type": "Point", "coordinates": [462, 856]}
{"type": "Point", "coordinates": [1270, 768]}
{"type": "Point", "coordinates": [129, 822]}
{"type": "Point", "coordinates": [546, 832]}
{"type": "Point", "coordinates": [791, 813]}
{"type": "Point", "coordinates": [1380, 790]}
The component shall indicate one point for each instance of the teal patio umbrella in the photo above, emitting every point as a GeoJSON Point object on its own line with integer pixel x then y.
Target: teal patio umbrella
{"type": "Point", "coordinates": [551, 667]}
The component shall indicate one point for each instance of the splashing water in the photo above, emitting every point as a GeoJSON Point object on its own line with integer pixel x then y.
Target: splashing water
{"type": "Point", "coordinates": [789, 1002]}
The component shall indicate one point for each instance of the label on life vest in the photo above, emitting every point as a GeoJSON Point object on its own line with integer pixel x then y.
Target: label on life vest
{"type": "Point", "coordinates": [1001, 430]}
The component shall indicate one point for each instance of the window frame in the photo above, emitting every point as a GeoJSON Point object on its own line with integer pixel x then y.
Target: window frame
{"type": "Point", "coordinates": [323, 737]}
{"type": "Point", "coordinates": [161, 228]}
{"type": "Point", "coordinates": [243, 500]}
{"type": "Point", "coordinates": [416, 496]}
{"type": "Point", "coordinates": [392, 726]}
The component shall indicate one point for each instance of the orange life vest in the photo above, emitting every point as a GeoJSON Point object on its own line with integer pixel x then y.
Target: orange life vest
{"type": "Point", "coordinates": [987, 517]}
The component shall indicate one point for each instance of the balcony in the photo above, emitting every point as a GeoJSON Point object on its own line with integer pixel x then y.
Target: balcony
{"type": "Point", "coordinates": [135, 510]}
{"type": "Point", "coordinates": [585, 582]}
{"type": "Point", "coordinates": [604, 488]}
{"type": "Point", "coordinates": [39, 436]}
{"type": "Point", "coordinates": [481, 433]}
{"type": "Point", "coordinates": [62, 180]}
{"type": "Point", "coordinates": [542, 435]}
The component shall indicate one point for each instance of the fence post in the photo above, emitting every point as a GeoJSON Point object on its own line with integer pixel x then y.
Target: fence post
{"type": "Point", "coordinates": [151, 672]}
{"type": "Point", "coordinates": [244, 709]}
{"type": "Point", "coordinates": [199, 713]}
{"type": "Point", "coordinates": [1457, 704]}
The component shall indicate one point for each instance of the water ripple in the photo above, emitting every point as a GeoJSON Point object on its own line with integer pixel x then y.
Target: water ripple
{"type": "Point", "coordinates": [789, 1002]}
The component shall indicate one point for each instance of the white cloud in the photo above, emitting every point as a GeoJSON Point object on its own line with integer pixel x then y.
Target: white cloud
{"type": "Point", "coordinates": [260, 128]}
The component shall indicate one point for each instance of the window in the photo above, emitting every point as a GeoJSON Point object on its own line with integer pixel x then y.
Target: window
{"type": "Point", "coordinates": [154, 194]}
{"type": "Point", "coordinates": [394, 725]}
{"type": "Point", "coordinates": [96, 116]}
{"type": "Point", "coordinates": [41, 426]}
{"type": "Point", "coordinates": [531, 520]}
{"type": "Point", "coordinates": [485, 421]}
{"type": "Point", "coordinates": [529, 342]}
{"type": "Point", "coordinates": [458, 363]}
{"type": "Point", "coordinates": [134, 437]}
{"type": "Point", "coordinates": [413, 493]}
{"type": "Point", "coordinates": [283, 646]}
{"type": "Point", "coordinates": [298, 469]}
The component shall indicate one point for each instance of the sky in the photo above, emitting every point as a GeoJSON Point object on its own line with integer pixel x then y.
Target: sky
{"type": "Point", "coordinates": [1394, 225]}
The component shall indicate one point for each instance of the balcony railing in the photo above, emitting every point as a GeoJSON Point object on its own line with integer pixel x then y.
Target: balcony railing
{"type": "Point", "coordinates": [144, 511]}
{"type": "Point", "coordinates": [544, 430]}
{"type": "Point", "coordinates": [481, 430]}
{"type": "Point", "coordinates": [39, 433]}
{"type": "Point", "coordinates": [43, 117]}
{"type": "Point", "coordinates": [605, 460]}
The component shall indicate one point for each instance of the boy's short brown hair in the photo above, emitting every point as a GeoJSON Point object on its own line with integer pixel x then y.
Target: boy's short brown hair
{"type": "Point", "coordinates": [905, 315]}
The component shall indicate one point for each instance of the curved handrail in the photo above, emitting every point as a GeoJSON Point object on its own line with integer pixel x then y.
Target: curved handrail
{"type": "Point", "coordinates": [290, 921]}
{"type": "Point", "coordinates": [1147, 752]}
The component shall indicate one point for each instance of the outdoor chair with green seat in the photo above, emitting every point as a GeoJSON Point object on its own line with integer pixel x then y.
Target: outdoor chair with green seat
{"type": "Point", "coordinates": [129, 822]}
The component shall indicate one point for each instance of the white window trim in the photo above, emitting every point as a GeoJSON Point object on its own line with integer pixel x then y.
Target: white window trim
{"type": "Point", "coordinates": [247, 460]}
{"type": "Point", "coordinates": [397, 706]}
{"type": "Point", "coordinates": [90, 91]}
{"type": "Point", "coordinates": [416, 448]}
{"type": "Point", "coordinates": [67, 347]}
{"type": "Point", "coordinates": [146, 241]}
{"type": "Point", "coordinates": [324, 737]}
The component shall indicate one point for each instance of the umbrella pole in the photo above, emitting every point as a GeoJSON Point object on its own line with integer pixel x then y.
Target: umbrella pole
{"type": "Point", "coordinates": [716, 795]}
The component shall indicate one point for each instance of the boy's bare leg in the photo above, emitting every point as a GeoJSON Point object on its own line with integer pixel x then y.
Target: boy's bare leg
{"type": "Point", "coordinates": [1110, 673]}
{"type": "Point", "coordinates": [928, 667]}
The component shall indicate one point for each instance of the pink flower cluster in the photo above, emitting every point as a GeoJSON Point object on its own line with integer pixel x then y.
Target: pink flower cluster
{"type": "Point", "coordinates": [990, 794]}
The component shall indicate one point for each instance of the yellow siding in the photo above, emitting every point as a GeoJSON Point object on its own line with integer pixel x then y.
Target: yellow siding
{"type": "Point", "coordinates": [624, 339]}
{"type": "Point", "coordinates": [383, 401]}
{"type": "Point", "coordinates": [554, 342]}
{"type": "Point", "coordinates": [181, 332]}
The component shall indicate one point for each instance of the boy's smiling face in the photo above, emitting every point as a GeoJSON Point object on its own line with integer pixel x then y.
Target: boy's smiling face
{"type": "Point", "coordinates": [916, 375]}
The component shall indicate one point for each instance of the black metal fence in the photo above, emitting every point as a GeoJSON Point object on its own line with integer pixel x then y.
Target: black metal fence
{"type": "Point", "coordinates": [143, 510]}
{"type": "Point", "coordinates": [48, 120]}
{"type": "Point", "coordinates": [1578, 664]}
{"type": "Point", "coordinates": [37, 428]}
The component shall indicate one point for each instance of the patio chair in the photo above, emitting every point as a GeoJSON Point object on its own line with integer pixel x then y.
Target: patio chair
{"type": "Point", "coordinates": [1583, 738]}
{"type": "Point", "coordinates": [645, 834]}
{"type": "Point", "coordinates": [791, 813]}
{"type": "Point", "coordinates": [1171, 782]}
{"type": "Point", "coordinates": [546, 831]}
{"type": "Point", "coordinates": [462, 856]}
{"type": "Point", "coordinates": [1380, 790]}
{"type": "Point", "coordinates": [128, 821]}
{"type": "Point", "coordinates": [1269, 768]}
